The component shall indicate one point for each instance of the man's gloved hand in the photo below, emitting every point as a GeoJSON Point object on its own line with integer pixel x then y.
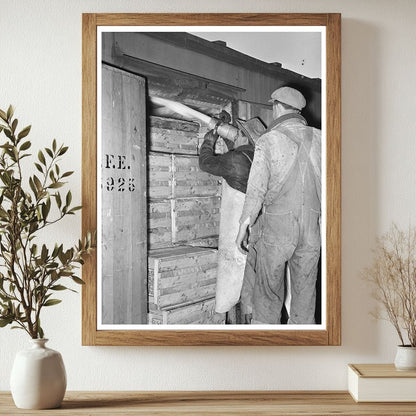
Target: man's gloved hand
{"type": "Point", "coordinates": [211, 136]}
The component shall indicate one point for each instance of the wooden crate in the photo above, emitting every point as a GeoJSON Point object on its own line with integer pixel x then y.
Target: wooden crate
{"type": "Point", "coordinates": [184, 220]}
{"type": "Point", "coordinates": [195, 218]}
{"type": "Point", "coordinates": [196, 313]}
{"type": "Point", "coordinates": [159, 176]}
{"type": "Point", "coordinates": [175, 176]}
{"type": "Point", "coordinates": [181, 275]}
{"type": "Point", "coordinates": [173, 136]}
{"type": "Point", "coordinates": [211, 242]}
{"type": "Point", "coordinates": [159, 225]}
{"type": "Point", "coordinates": [190, 180]}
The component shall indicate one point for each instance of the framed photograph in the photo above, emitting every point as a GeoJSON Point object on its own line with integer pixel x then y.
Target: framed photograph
{"type": "Point", "coordinates": [211, 173]}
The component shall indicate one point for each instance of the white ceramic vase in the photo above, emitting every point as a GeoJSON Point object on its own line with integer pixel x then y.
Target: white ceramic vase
{"type": "Point", "coordinates": [405, 358]}
{"type": "Point", "coordinates": [38, 377]}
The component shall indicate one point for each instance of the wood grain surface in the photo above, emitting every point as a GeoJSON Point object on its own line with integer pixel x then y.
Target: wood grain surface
{"type": "Point", "coordinates": [269, 403]}
{"type": "Point", "coordinates": [89, 174]}
{"type": "Point", "coordinates": [380, 371]}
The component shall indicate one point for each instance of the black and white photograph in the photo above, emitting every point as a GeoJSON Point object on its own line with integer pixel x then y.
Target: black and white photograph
{"type": "Point", "coordinates": [211, 167]}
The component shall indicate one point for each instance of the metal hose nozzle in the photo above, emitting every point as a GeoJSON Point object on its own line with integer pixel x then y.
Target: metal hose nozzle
{"type": "Point", "coordinates": [223, 129]}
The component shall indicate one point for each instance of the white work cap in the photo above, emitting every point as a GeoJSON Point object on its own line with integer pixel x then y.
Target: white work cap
{"type": "Point", "coordinates": [290, 96]}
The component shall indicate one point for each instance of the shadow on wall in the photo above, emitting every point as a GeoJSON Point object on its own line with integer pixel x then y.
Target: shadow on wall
{"type": "Point", "coordinates": [360, 180]}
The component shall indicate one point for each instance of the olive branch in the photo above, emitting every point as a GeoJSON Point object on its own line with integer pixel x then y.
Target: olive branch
{"type": "Point", "coordinates": [31, 274]}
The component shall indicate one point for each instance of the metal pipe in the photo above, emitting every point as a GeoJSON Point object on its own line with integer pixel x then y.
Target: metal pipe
{"type": "Point", "coordinates": [181, 109]}
{"type": "Point", "coordinates": [223, 129]}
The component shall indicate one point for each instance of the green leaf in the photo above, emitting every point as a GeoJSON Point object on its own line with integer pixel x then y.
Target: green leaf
{"type": "Point", "coordinates": [40, 332]}
{"type": "Point", "coordinates": [78, 280]}
{"type": "Point", "coordinates": [58, 199]}
{"type": "Point", "coordinates": [39, 167]}
{"type": "Point", "coordinates": [41, 158]}
{"type": "Point", "coordinates": [34, 249]}
{"type": "Point", "coordinates": [24, 132]}
{"type": "Point", "coordinates": [63, 151]}
{"type": "Point", "coordinates": [68, 199]}
{"type": "Point", "coordinates": [33, 187]}
{"type": "Point", "coordinates": [14, 125]}
{"type": "Point", "coordinates": [25, 145]}
{"type": "Point", "coordinates": [54, 145]}
{"type": "Point", "coordinates": [55, 251]}
{"type": "Point", "coordinates": [51, 302]}
{"type": "Point", "coordinates": [3, 115]}
{"type": "Point", "coordinates": [5, 321]}
{"type": "Point", "coordinates": [59, 287]}
{"type": "Point", "coordinates": [10, 112]}
{"type": "Point", "coordinates": [37, 183]}
{"type": "Point", "coordinates": [77, 208]}
{"type": "Point", "coordinates": [7, 133]}
{"type": "Point", "coordinates": [5, 178]}
{"type": "Point", "coordinates": [67, 174]}
{"type": "Point", "coordinates": [56, 185]}
{"type": "Point", "coordinates": [44, 253]}
{"type": "Point", "coordinates": [45, 211]}
{"type": "Point", "coordinates": [4, 298]}
{"type": "Point", "coordinates": [49, 151]}
{"type": "Point", "coordinates": [62, 257]}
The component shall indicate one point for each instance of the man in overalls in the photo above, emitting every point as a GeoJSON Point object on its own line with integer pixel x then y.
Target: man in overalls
{"type": "Point", "coordinates": [285, 185]}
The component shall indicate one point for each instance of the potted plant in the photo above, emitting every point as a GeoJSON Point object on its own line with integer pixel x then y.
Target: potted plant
{"type": "Point", "coordinates": [31, 272]}
{"type": "Point", "coordinates": [393, 277]}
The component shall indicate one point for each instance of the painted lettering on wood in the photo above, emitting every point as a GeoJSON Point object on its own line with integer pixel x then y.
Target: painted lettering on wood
{"type": "Point", "coordinates": [123, 198]}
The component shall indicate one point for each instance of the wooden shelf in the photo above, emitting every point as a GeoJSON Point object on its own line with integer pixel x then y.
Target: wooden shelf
{"type": "Point", "coordinates": [317, 403]}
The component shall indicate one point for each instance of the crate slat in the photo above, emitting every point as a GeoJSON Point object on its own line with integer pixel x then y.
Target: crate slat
{"type": "Point", "coordinates": [173, 141]}
{"type": "Point", "coordinates": [197, 313]}
{"type": "Point", "coordinates": [159, 227]}
{"type": "Point", "coordinates": [181, 275]}
{"type": "Point", "coordinates": [195, 218]}
{"type": "Point", "coordinates": [160, 176]}
{"type": "Point", "coordinates": [173, 176]}
{"type": "Point", "coordinates": [190, 180]}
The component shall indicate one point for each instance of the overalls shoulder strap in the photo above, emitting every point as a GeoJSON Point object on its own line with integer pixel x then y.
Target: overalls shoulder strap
{"type": "Point", "coordinates": [304, 144]}
{"type": "Point", "coordinates": [304, 148]}
{"type": "Point", "coordinates": [247, 156]}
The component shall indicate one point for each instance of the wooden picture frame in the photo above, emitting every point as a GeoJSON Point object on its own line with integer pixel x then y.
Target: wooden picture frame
{"type": "Point", "coordinates": [331, 334]}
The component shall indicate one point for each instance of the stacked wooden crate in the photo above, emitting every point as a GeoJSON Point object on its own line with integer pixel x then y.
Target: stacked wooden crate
{"type": "Point", "coordinates": [182, 285]}
{"type": "Point", "coordinates": [183, 213]}
{"type": "Point", "coordinates": [184, 202]}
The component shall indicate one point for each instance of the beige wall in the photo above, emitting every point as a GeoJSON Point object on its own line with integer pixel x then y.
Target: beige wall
{"type": "Point", "coordinates": [40, 73]}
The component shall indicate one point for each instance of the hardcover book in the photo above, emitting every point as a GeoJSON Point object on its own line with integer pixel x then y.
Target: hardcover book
{"type": "Point", "coordinates": [381, 383]}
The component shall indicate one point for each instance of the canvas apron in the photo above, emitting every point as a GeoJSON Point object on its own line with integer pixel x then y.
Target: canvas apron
{"type": "Point", "coordinates": [231, 262]}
